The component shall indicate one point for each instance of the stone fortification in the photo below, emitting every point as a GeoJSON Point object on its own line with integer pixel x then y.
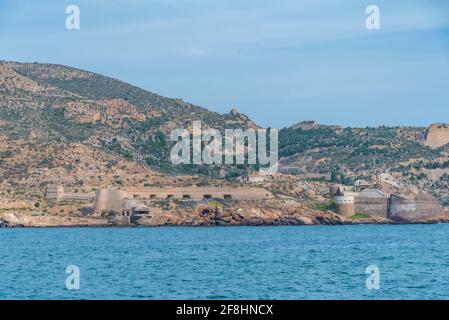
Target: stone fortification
{"type": "Point", "coordinates": [404, 207]}
{"type": "Point", "coordinates": [437, 135]}
{"type": "Point", "coordinates": [114, 199]}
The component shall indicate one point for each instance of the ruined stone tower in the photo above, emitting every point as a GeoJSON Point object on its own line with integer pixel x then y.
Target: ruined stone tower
{"type": "Point", "coordinates": [345, 205]}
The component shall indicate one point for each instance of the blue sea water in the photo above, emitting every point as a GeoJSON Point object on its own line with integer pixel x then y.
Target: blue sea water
{"type": "Point", "coordinates": [317, 262]}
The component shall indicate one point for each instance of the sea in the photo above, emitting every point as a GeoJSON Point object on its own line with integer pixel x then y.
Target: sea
{"type": "Point", "coordinates": [293, 262]}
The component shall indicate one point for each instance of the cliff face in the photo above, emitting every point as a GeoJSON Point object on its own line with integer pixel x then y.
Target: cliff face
{"type": "Point", "coordinates": [437, 136]}
{"type": "Point", "coordinates": [415, 207]}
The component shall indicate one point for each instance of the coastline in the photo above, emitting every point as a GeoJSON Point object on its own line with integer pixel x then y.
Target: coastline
{"type": "Point", "coordinates": [97, 222]}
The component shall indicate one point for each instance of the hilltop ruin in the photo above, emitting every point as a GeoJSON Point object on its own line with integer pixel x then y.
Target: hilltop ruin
{"type": "Point", "coordinates": [437, 136]}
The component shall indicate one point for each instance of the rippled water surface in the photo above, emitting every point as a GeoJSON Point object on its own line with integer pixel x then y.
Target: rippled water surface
{"type": "Point", "coordinates": [322, 262]}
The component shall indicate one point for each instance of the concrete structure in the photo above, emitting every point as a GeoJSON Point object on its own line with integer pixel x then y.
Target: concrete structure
{"type": "Point", "coordinates": [420, 207]}
{"type": "Point", "coordinates": [372, 202]}
{"type": "Point", "coordinates": [362, 183]}
{"type": "Point", "coordinates": [57, 193]}
{"type": "Point", "coordinates": [376, 203]}
{"type": "Point", "coordinates": [109, 200]}
{"type": "Point", "coordinates": [113, 199]}
{"type": "Point", "coordinates": [134, 210]}
{"type": "Point", "coordinates": [345, 205]}
{"type": "Point", "coordinates": [198, 193]}
{"type": "Point", "coordinates": [372, 193]}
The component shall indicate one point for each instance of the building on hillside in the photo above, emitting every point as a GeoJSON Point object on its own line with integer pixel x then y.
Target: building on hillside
{"type": "Point", "coordinates": [376, 203]}
{"type": "Point", "coordinates": [362, 184]}
{"type": "Point", "coordinates": [54, 193]}
{"type": "Point", "coordinates": [133, 210]}
{"type": "Point", "coordinates": [57, 193]}
{"type": "Point", "coordinates": [113, 199]}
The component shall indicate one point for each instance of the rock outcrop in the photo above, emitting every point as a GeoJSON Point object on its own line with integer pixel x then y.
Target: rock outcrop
{"type": "Point", "coordinates": [25, 219]}
{"type": "Point", "coordinates": [437, 135]}
{"type": "Point", "coordinates": [306, 125]}
{"type": "Point", "coordinates": [244, 214]}
{"type": "Point", "coordinates": [201, 214]}
{"type": "Point", "coordinates": [3, 224]}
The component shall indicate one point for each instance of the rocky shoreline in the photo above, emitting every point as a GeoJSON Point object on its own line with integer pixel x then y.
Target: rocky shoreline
{"type": "Point", "coordinates": [111, 225]}
{"type": "Point", "coordinates": [207, 216]}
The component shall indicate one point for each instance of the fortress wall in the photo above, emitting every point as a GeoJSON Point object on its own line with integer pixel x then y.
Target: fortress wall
{"type": "Point", "coordinates": [377, 207]}
{"type": "Point", "coordinates": [198, 193]}
{"type": "Point", "coordinates": [77, 197]}
{"type": "Point", "coordinates": [402, 209]}
{"type": "Point", "coordinates": [109, 199]}
{"type": "Point", "coordinates": [55, 193]}
{"type": "Point", "coordinates": [113, 199]}
{"type": "Point", "coordinates": [345, 210]}
{"type": "Point", "coordinates": [345, 205]}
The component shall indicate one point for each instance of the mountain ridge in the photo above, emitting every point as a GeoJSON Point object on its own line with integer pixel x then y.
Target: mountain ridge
{"type": "Point", "coordinates": [81, 106]}
{"type": "Point", "coordinates": [44, 106]}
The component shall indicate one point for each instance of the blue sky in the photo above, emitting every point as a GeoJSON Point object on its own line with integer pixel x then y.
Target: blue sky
{"type": "Point", "coordinates": [279, 61]}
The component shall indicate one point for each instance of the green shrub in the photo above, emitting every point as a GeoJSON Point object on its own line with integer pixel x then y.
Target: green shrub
{"type": "Point", "coordinates": [360, 216]}
{"type": "Point", "coordinates": [217, 203]}
{"type": "Point", "coordinates": [327, 206]}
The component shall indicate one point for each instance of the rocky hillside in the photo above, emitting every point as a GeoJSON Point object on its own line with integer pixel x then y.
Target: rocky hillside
{"type": "Point", "coordinates": [83, 130]}
{"type": "Point", "coordinates": [53, 103]}
{"type": "Point", "coordinates": [344, 155]}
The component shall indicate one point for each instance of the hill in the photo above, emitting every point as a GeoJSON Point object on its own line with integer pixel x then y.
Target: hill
{"type": "Point", "coordinates": [81, 129]}
{"type": "Point", "coordinates": [53, 103]}
{"type": "Point", "coordinates": [344, 155]}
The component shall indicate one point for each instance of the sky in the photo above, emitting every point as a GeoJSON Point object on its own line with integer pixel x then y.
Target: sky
{"type": "Point", "coordinates": [278, 61]}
